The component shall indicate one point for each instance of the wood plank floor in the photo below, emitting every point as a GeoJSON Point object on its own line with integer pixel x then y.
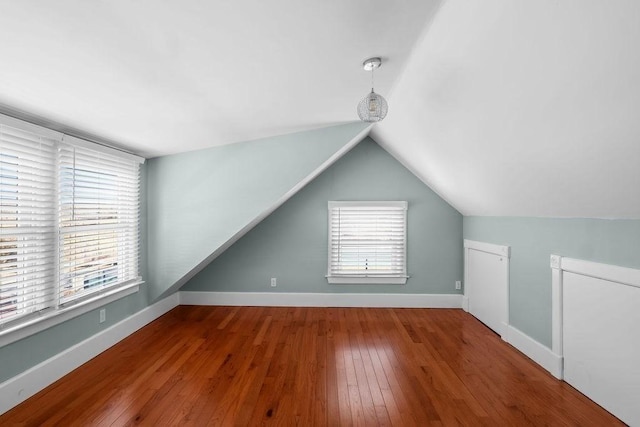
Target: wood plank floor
{"type": "Point", "coordinates": [310, 367]}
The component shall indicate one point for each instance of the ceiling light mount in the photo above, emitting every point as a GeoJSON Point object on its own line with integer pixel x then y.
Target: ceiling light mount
{"type": "Point", "coordinates": [372, 64]}
{"type": "Point", "coordinates": [373, 107]}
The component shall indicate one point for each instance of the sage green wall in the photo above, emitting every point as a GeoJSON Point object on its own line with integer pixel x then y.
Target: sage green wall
{"type": "Point", "coordinates": [21, 355]}
{"type": "Point", "coordinates": [198, 201]}
{"type": "Point", "coordinates": [533, 240]}
{"type": "Point", "coordinates": [291, 244]}
{"type": "Point", "coordinates": [188, 192]}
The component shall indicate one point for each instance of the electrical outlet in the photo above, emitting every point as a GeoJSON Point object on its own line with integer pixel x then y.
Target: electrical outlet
{"type": "Point", "coordinates": [458, 284]}
{"type": "Point", "coordinates": [103, 315]}
{"type": "Point", "coordinates": [274, 282]}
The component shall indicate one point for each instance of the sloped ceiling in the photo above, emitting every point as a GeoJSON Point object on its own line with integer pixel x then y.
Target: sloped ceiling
{"type": "Point", "coordinates": [162, 77]}
{"type": "Point", "coordinates": [524, 108]}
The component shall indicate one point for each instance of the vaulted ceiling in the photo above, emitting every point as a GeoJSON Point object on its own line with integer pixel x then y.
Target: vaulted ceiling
{"type": "Point", "coordinates": [161, 77]}
{"type": "Point", "coordinates": [524, 108]}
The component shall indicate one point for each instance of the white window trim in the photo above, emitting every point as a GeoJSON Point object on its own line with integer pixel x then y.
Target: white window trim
{"type": "Point", "coordinates": [367, 280]}
{"type": "Point", "coordinates": [21, 328]}
{"type": "Point", "coordinates": [360, 279]}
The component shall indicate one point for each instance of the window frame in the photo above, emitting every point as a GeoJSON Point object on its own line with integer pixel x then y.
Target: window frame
{"type": "Point", "coordinates": [359, 278]}
{"type": "Point", "coordinates": [59, 311]}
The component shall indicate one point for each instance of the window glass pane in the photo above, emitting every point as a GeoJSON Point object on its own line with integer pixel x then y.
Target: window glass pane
{"type": "Point", "coordinates": [27, 222]}
{"type": "Point", "coordinates": [98, 222]}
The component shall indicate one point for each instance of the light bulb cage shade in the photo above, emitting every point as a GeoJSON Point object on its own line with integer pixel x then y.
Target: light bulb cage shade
{"type": "Point", "coordinates": [372, 108]}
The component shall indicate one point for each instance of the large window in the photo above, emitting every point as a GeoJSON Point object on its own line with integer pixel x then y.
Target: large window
{"type": "Point", "coordinates": [367, 242]}
{"type": "Point", "coordinates": [69, 216]}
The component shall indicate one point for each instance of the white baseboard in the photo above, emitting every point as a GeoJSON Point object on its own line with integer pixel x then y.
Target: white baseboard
{"type": "Point", "coordinates": [537, 352]}
{"type": "Point", "coordinates": [465, 303]}
{"type": "Point", "coordinates": [286, 299]}
{"type": "Point", "coordinates": [19, 388]}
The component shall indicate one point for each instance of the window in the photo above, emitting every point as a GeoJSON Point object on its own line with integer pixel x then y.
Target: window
{"type": "Point", "coordinates": [68, 222]}
{"type": "Point", "coordinates": [27, 222]}
{"type": "Point", "coordinates": [367, 242]}
{"type": "Point", "coordinates": [98, 223]}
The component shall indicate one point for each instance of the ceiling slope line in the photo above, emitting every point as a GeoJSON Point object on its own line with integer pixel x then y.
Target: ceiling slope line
{"type": "Point", "coordinates": [414, 48]}
{"type": "Point", "coordinates": [265, 213]}
{"type": "Point", "coordinates": [415, 173]}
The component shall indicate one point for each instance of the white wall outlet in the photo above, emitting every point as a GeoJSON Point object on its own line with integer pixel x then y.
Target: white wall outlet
{"type": "Point", "coordinates": [458, 284]}
{"type": "Point", "coordinates": [103, 315]}
{"type": "Point", "coordinates": [274, 282]}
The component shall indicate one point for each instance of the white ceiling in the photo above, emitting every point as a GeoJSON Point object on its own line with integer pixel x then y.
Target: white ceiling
{"type": "Point", "coordinates": [160, 77]}
{"type": "Point", "coordinates": [503, 107]}
{"type": "Point", "coordinates": [524, 108]}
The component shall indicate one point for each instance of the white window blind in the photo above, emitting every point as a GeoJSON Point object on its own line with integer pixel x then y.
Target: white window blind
{"type": "Point", "coordinates": [98, 238]}
{"type": "Point", "coordinates": [367, 242]}
{"type": "Point", "coordinates": [69, 212]}
{"type": "Point", "coordinates": [27, 222]}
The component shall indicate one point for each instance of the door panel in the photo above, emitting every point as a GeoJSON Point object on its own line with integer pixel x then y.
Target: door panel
{"type": "Point", "coordinates": [487, 287]}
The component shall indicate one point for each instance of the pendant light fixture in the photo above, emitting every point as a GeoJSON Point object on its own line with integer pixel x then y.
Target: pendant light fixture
{"type": "Point", "coordinates": [373, 107]}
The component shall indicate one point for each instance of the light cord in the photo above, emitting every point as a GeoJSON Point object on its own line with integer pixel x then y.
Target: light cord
{"type": "Point", "coordinates": [372, 68]}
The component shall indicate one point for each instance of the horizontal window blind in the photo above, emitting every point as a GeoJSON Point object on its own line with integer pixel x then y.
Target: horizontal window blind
{"type": "Point", "coordinates": [98, 220]}
{"type": "Point", "coordinates": [27, 222]}
{"type": "Point", "coordinates": [69, 213]}
{"type": "Point", "coordinates": [367, 239]}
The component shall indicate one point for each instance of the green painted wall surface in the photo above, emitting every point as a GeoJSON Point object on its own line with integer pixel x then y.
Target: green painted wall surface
{"type": "Point", "coordinates": [198, 201]}
{"type": "Point", "coordinates": [179, 180]}
{"type": "Point", "coordinates": [291, 244]}
{"type": "Point", "coordinates": [533, 240]}
{"type": "Point", "coordinates": [21, 355]}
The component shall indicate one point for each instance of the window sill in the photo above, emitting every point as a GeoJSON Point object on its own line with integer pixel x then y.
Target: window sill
{"type": "Point", "coordinates": [11, 333]}
{"type": "Point", "coordinates": [363, 280]}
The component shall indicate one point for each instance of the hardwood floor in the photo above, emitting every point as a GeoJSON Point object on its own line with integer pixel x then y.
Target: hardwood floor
{"type": "Point", "coordinates": [310, 366]}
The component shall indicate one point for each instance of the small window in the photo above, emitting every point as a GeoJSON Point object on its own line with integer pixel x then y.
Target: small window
{"type": "Point", "coordinates": [367, 242]}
